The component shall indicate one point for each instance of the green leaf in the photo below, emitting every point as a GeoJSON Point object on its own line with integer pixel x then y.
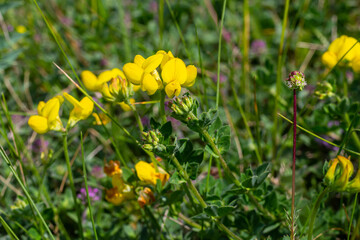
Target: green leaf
{"type": "Point", "coordinates": [176, 196]}
{"type": "Point", "coordinates": [217, 211]}
{"type": "Point", "coordinates": [254, 178]}
{"type": "Point", "coordinates": [166, 130]}
{"type": "Point", "coordinates": [214, 127]}
{"type": "Point", "coordinates": [192, 169]}
{"type": "Point", "coordinates": [176, 179]}
{"type": "Point", "coordinates": [8, 59]}
{"type": "Point", "coordinates": [128, 175]}
{"type": "Point", "coordinates": [154, 124]}
{"type": "Point", "coordinates": [33, 234]}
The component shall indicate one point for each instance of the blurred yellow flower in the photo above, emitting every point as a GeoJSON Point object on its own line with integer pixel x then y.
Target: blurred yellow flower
{"type": "Point", "coordinates": [48, 116]}
{"type": "Point", "coordinates": [101, 119]}
{"type": "Point", "coordinates": [81, 111]}
{"type": "Point", "coordinates": [95, 84]}
{"type": "Point", "coordinates": [146, 197]}
{"type": "Point", "coordinates": [147, 173]}
{"type": "Point", "coordinates": [338, 175]}
{"type": "Point", "coordinates": [21, 29]}
{"type": "Point", "coordinates": [338, 48]}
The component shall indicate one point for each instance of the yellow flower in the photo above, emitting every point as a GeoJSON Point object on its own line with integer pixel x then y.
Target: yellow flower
{"type": "Point", "coordinates": [338, 48]}
{"type": "Point", "coordinates": [147, 173]}
{"type": "Point", "coordinates": [354, 185]}
{"type": "Point", "coordinates": [339, 173]}
{"type": "Point", "coordinates": [143, 72]}
{"type": "Point", "coordinates": [21, 29]}
{"type": "Point", "coordinates": [176, 73]}
{"type": "Point", "coordinates": [81, 110]}
{"type": "Point", "coordinates": [355, 64]}
{"type": "Point", "coordinates": [101, 119]}
{"type": "Point", "coordinates": [48, 116]}
{"type": "Point", "coordinates": [125, 106]}
{"type": "Point", "coordinates": [146, 197]}
{"type": "Point", "coordinates": [167, 57]}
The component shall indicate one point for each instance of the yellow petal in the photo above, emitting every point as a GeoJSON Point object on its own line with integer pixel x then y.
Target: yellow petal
{"type": "Point", "coordinates": [354, 185]}
{"type": "Point", "coordinates": [118, 182]}
{"type": "Point", "coordinates": [174, 70]}
{"type": "Point", "coordinates": [105, 76]}
{"type": "Point", "coordinates": [71, 99]}
{"type": "Point", "coordinates": [330, 174]}
{"type": "Point", "coordinates": [87, 107]}
{"type": "Point", "coordinates": [337, 44]}
{"type": "Point", "coordinates": [40, 107]}
{"type": "Point", "coordinates": [90, 81]}
{"type": "Point", "coordinates": [39, 124]}
{"type": "Point", "coordinates": [145, 172]}
{"type": "Point", "coordinates": [51, 109]}
{"type": "Point", "coordinates": [152, 62]}
{"type": "Point", "coordinates": [149, 84]}
{"type": "Point", "coordinates": [118, 73]}
{"type": "Point", "coordinates": [356, 64]}
{"type": "Point", "coordinates": [329, 59]}
{"type": "Point", "coordinates": [191, 76]}
{"type": "Point", "coordinates": [347, 45]}
{"type": "Point", "coordinates": [172, 89]}
{"type": "Point", "coordinates": [133, 73]}
{"type": "Point", "coordinates": [139, 60]}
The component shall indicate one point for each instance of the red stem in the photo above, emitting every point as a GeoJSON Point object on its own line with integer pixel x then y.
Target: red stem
{"type": "Point", "coordinates": [293, 171]}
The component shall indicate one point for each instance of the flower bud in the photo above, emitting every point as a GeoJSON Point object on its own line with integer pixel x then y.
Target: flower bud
{"type": "Point", "coordinates": [296, 80]}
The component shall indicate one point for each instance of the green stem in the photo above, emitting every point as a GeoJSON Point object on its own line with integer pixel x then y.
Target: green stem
{"type": "Point", "coordinates": [246, 64]}
{"type": "Point", "coordinates": [72, 186]}
{"type": "Point", "coordinates": [162, 106]}
{"type": "Point", "coordinates": [31, 202]}
{"type": "Point", "coordinates": [137, 116]}
{"type": "Point", "coordinates": [197, 195]}
{"type": "Point", "coordinates": [161, 22]}
{"type": "Point", "coordinates": [86, 186]}
{"type": "Point", "coordinates": [223, 163]}
{"type": "Point", "coordinates": [208, 175]}
{"type": "Point", "coordinates": [219, 56]}
{"type": "Point", "coordinates": [189, 221]}
{"type": "Point", "coordinates": [8, 229]}
{"type": "Point", "coordinates": [279, 77]}
{"type": "Point", "coordinates": [352, 216]}
{"type": "Point", "coordinates": [356, 229]}
{"type": "Point", "coordinates": [314, 211]}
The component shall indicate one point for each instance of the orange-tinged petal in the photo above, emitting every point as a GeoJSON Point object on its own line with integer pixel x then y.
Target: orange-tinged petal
{"type": "Point", "coordinates": [152, 62]}
{"type": "Point", "coordinates": [133, 73]}
{"type": "Point", "coordinates": [174, 70]}
{"type": "Point", "coordinates": [191, 76]}
{"type": "Point", "coordinates": [118, 73]}
{"type": "Point", "coordinates": [39, 124]}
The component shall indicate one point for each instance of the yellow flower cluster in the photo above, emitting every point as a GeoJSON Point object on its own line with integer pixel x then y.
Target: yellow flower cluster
{"type": "Point", "coordinates": [338, 48]}
{"type": "Point", "coordinates": [147, 173]}
{"type": "Point", "coordinates": [174, 73]}
{"type": "Point", "coordinates": [48, 113]}
{"type": "Point", "coordinates": [112, 84]}
{"type": "Point", "coordinates": [120, 191]}
{"type": "Point", "coordinates": [338, 175]}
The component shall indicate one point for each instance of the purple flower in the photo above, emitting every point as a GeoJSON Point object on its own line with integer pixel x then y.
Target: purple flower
{"type": "Point", "coordinates": [258, 47]}
{"type": "Point", "coordinates": [325, 144]}
{"type": "Point", "coordinates": [97, 172]}
{"type": "Point", "coordinates": [223, 78]}
{"type": "Point", "coordinates": [94, 195]}
{"type": "Point", "coordinates": [39, 145]}
{"type": "Point", "coordinates": [145, 121]}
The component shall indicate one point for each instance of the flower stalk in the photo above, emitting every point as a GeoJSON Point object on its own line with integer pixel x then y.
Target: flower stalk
{"type": "Point", "coordinates": [293, 173]}
{"type": "Point", "coordinates": [72, 186]}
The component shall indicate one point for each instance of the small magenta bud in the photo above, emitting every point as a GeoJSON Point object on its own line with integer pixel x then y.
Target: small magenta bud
{"type": "Point", "coordinates": [296, 80]}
